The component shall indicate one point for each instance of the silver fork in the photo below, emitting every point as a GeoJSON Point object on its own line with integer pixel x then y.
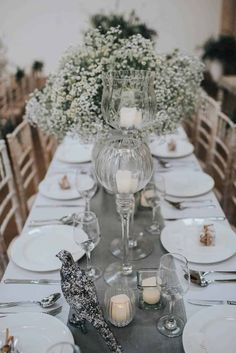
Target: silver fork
{"type": "Point", "coordinates": [179, 205]}
{"type": "Point", "coordinates": [52, 312]}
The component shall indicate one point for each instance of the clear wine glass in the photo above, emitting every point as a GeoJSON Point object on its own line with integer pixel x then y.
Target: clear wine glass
{"type": "Point", "coordinates": [88, 222]}
{"type": "Point", "coordinates": [154, 193]}
{"type": "Point", "coordinates": [63, 347]}
{"type": "Point", "coordinates": [174, 282]}
{"type": "Point", "coordinates": [86, 185]}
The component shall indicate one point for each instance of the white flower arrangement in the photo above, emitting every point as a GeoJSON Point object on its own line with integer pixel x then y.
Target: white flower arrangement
{"type": "Point", "coordinates": [71, 99]}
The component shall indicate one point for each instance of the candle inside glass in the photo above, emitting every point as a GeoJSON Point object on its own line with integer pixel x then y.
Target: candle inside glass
{"type": "Point", "coordinates": [120, 308]}
{"type": "Point", "coordinates": [151, 292]}
{"type": "Point", "coordinates": [126, 182]}
{"type": "Point", "coordinates": [130, 117]}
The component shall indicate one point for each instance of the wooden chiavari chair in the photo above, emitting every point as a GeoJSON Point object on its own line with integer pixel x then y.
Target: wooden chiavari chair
{"type": "Point", "coordinates": [206, 130]}
{"type": "Point", "coordinates": [231, 199]}
{"type": "Point", "coordinates": [189, 125]}
{"type": "Point", "coordinates": [222, 156]}
{"type": "Point", "coordinates": [49, 145]}
{"type": "Point", "coordinates": [24, 165]}
{"type": "Point", "coordinates": [10, 217]}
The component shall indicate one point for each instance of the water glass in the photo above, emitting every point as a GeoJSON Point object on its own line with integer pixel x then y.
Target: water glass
{"type": "Point", "coordinates": [88, 222]}
{"type": "Point", "coordinates": [153, 194]}
{"type": "Point", "coordinates": [86, 185]}
{"type": "Point", "coordinates": [174, 282]}
{"type": "Point", "coordinates": [119, 305]}
{"type": "Point", "coordinates": [63, 347]}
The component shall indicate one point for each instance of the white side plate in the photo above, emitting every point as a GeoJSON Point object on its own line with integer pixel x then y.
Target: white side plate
{"type": "Point", "coordinates": [188, 183]}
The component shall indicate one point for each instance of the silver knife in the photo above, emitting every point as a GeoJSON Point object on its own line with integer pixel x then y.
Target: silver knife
{"type": "Point", "coordinates": [59, 205]}
{"type": "Point", "coordinates": [205, 302]}
{"type": "Point", "coordinates": [196, 219]}
{"type": "Point", "coordinates": [31, 281]}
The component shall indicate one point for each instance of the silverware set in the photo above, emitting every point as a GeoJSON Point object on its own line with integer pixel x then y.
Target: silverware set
{"type": "Point", "coordinates": [67, 220]}
{"type": "Point", "coordinates": [31, 281]}
{"type": "Point", "coordinates": [182, 205]}
{"type": "Point", "coordinates": [45, 302]}
{"type": "Point", "coordinates": [208, 302]}
{"type": "Point", "coordinates": [53, 312]}
{"type": "Point", "coordinates": [199, 277]}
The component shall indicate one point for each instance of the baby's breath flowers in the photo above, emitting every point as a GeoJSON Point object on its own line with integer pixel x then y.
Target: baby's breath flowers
{"type": "Point", "coordinates": [71, 99]}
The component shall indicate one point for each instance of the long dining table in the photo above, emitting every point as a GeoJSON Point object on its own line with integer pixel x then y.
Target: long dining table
{"type": "Point", "coordinates": [103, 204]}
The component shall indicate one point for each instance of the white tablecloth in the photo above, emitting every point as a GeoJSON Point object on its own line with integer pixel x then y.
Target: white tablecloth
{"type": "Point", "coordinates": [214, 291]}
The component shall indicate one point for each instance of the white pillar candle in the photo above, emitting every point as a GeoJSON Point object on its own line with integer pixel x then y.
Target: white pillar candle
{"type": "Point", "coordinates": [130, 117]}
{"type": "Point", "coordinates": [120, 308]}
{"type": "Point", "coordinates": [151, 292]}
{"type": "Point", "coordinates": [126, 183]}
{"type": "Point", "coordinates": [138, 119]}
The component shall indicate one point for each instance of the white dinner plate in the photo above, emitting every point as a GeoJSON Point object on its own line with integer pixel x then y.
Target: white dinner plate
{"type": "Point", "coordinates": [50, 187]}
{"type": "Point", "coordinates": [188, 183]}
{"type": "Point", "coordinates": [74, 152]}
{"type": "Point", "coordinates": [36, 331]}
{"type": "Point", "coordinates": [37, 249]}
{"type": "Point", "coordinates": [183, 237]}
{"type": "Point", "coordinates": [183, 149]}
{"type": "Point", "coordinates": [211, 330]}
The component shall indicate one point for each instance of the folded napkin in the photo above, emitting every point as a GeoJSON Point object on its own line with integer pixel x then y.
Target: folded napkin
{"type": "Point", "coordinates": [19, 292]}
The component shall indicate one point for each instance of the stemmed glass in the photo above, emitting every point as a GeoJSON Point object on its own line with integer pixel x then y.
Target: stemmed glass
{"type": "Point", "coordinates": [174, 282]}
{"type": "Point", "coordinates": [86, 185]}
{"type": "Point", "coordinates": [123, 166]}
{"type": "Point", "coordinates": [139, 246]}
{"type": "Point", "coordinates": [88, 222]}
{"type": "Point", "coordinates": [63, 347]}
{"type": "Point", "coordinates": [154, 193]}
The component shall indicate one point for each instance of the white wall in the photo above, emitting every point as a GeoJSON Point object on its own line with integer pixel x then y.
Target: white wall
{"type": "Point", "coordinates": [43, 29]}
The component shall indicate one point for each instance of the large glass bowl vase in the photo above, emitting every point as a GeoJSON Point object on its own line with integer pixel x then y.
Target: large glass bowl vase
{"type": "Point", "coordinates": [123, 166]}
{"type": "Point", "coordinates": [128, 100]}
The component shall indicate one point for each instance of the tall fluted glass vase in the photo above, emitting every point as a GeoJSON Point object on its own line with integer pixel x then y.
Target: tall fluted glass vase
{"type": "Point", "coordinates": [123, 166]}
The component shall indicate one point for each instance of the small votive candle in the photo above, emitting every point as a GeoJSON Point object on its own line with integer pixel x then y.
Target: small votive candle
{"type": "Point", "coordinates": [120, 306]}
{"type": "Point", "coordinates": [149, 289]}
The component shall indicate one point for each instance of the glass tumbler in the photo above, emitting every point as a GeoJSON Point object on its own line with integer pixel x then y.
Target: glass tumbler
{"type": "Point", "coordinates": [149, 290]}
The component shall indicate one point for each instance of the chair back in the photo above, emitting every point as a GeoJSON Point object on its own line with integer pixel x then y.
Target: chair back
{"type": "Point", "coordinates": [49, 145]}
{"type": "Point", "coordinates": [231, 200]}
{"type": "Point", "coordinates": [24, 164]}
{"type": "Point", "coordinates": [222, 156]}
{"type": "Point", "coordinates": [9, 204]}
{"type": "Point", "coordinates": [206, 130]}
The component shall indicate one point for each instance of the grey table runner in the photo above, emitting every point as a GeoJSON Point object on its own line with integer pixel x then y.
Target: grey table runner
{"type": "Point", "coordinates": [141, 335]}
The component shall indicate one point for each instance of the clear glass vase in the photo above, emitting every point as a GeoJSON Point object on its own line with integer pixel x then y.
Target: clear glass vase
{"type": "Point", "coordinates": [123, 166]}
{"type": "Point", "coordinates": [128, 100]}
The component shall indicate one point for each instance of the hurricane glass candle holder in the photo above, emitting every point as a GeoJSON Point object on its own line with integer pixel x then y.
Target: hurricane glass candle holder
{"type": "Point", "coordinates": [119, 305]}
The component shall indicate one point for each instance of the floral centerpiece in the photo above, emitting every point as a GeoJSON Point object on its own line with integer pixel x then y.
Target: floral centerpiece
{"type": "Point", "coordinates": [71, 99]}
